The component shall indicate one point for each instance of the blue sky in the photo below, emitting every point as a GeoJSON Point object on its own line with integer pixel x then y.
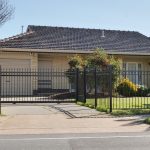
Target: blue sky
{"type": "Point", "coordinates": [131, 15]}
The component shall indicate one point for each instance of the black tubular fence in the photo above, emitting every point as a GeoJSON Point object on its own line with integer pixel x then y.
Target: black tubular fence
{"type": "Point", "coordinates": [105, 89]}
{"type": "Point", "coordinates": [109, 90]}
{"type": "Point", "coordinates": [36, 86]}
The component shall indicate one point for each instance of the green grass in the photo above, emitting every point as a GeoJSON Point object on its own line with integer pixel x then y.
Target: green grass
{"type": "Point", "coordinates": [130, 112]}
{"type": "Point", "coordinates": [122, 103]}
{"type": "Point", "coordinates": [121, 106]}
{"type": "Point", "coordinates": [147, 120]}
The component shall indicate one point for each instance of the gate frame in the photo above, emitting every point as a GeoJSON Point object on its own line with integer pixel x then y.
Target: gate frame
{"type": "Point", "coordinates": [84, 71]}
{"type": "Point", "coordinates": [32, 98]}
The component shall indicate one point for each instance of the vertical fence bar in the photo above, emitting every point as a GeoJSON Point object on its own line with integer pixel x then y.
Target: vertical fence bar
{"type": "Point", "coordinates": [84, 85]}
{"type": "Point", "coordinates": [0, 89]}
{"type": "Point", "coordinates": [77, 85]}
{"type": "Point", "coordinates": [110, 86]}
{"type": "Point", "coordinates": [95, 76]}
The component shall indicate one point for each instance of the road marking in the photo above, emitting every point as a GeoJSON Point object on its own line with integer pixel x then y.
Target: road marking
{"type": "Point", "coordinates": [73, 138]}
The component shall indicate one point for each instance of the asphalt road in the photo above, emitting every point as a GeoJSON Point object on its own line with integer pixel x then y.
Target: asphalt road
{"type": "Point", "coordinates": [102, 141]}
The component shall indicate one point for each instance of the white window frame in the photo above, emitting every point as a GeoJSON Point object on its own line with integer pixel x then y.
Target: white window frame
{"type": "Point", "coordinates": [137, 63]}
{"type": "Point", "coordinates": [137, 69]}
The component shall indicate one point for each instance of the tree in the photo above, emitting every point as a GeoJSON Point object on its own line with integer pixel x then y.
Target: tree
{"type": "Point", "coordinates": [99, 60]}
{"type": "Point", "coordinates": [6, 11]}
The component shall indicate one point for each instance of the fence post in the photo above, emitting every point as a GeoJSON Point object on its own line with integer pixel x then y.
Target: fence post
{"type": "Point", "coordinates": [0, 89]}
{"type": "Point", "coordinates": [95, 76]}
{"type": "Point", "coordinates": [85, 85]}
{"type": "Point", "coordinates": [110, 86]}
{"type": "Point", "coordinates": [77, 84]}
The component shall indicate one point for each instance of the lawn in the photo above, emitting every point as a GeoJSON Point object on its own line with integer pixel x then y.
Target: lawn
{"type": "Point", "coordinates": [122, 103]}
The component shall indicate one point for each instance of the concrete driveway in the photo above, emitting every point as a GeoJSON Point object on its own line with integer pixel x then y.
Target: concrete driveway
{"type": "Point", "coordinates": [63, 118]}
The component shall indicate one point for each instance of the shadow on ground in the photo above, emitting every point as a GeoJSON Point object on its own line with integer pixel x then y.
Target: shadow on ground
{"type": "Point", "coordinates": [76, 111]}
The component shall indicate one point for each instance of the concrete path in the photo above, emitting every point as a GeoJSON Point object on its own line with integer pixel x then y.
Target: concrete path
{"type": "Point", "coordinates": [63, 118]}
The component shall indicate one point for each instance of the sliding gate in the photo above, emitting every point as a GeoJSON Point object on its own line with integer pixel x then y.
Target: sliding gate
{"type": "Point", "coordinates": [36, 86]}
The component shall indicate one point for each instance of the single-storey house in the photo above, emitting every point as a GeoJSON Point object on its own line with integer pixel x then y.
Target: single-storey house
{"type": "Point", "coordinates": [49, 47]}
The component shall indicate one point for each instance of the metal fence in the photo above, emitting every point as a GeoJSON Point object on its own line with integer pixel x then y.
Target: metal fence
{"type": "Point", "coordinates": [132, 90]}
{"type": "Point", "coordinates": [95, 86]}
{"type": "Point", "coordinates": [105, 89]}
{"type": "Point", "coordinates": [40, 86]}
{"type": "Point", "coordinates": [109, 89]}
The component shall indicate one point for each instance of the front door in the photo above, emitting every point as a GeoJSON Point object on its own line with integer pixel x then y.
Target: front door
{"type": "Point", "coordinates": [45, 77]}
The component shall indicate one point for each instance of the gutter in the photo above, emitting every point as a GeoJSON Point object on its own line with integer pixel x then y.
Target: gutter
{"type": "Point", "coordinates": [68, 51]}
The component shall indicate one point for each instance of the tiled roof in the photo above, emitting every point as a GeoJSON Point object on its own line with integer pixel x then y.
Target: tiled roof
{"type": "Point", "coordinates": [78, 39]}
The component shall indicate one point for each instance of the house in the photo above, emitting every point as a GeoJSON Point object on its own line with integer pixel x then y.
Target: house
{"type": "Point", "coordinates": [49, 47]}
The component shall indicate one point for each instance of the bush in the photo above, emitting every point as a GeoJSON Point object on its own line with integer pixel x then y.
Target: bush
{"type": "Point", "coordinates": [143, 91]}
{"type": "Point", "coordinates": [100, 60]}
{"type": "Point", "coordinates": [127, 88]}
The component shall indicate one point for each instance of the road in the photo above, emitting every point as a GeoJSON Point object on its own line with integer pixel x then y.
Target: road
{"type": "Point", "coordinates": [102, 141]}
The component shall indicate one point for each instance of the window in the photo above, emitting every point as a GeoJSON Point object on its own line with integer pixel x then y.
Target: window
{"type": "Point", "coordinates": [132, 70]}
{"type": "Point", "coordinates": [140, 74]}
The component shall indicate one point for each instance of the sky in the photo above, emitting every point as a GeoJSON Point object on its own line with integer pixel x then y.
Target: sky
{"type": "Point", "coordinates": [133, 15]}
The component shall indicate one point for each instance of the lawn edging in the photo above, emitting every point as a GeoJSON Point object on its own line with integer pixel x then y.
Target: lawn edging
{"type": "Point", "coordinates": [130, 112]}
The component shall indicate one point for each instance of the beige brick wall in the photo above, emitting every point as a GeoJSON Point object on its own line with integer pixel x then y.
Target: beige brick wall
{"type": "Point", "coordinates": [60, 61]}
{"type": "Point", "coordinates": [32, 57]}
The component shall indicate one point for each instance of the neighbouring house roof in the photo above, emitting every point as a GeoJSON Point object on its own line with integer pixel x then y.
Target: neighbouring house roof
{"type": "Point", "coordinates": [51, 39]}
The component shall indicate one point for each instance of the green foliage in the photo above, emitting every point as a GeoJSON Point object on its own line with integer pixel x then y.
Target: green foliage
{"type": "Point", "coordinates": [102, 109]}
{"type": "Point", "coordinates": [91, 106]}
{"type": "Point", "coordinates": [76, 62]}
{"type": "Point", "coordinates": [147, 120]}
{"type": "Point", "coordinates": [81, 103]}
{"type": "Point", "coordinates": [143, 91]}
{"type": "Point", "coordinates": [99, 60]}
{"type": "Point", "coordinates": [127, 88]}
{"type": "Point", "coordinates": [86, 105]}
{"type": "Point", "coordinates": [130, 112]}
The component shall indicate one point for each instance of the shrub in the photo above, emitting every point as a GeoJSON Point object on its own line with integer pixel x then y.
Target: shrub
{"type": "Point", "coordinates": [100, 60]}
{"type": "Point", "coordinates": [142, 91]}
{"type": "Point", "coordinates": [127, 88]}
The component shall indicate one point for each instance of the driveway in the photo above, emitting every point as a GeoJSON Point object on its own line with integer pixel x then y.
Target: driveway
{"type": "Point", "coordinates": [63, 118]}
